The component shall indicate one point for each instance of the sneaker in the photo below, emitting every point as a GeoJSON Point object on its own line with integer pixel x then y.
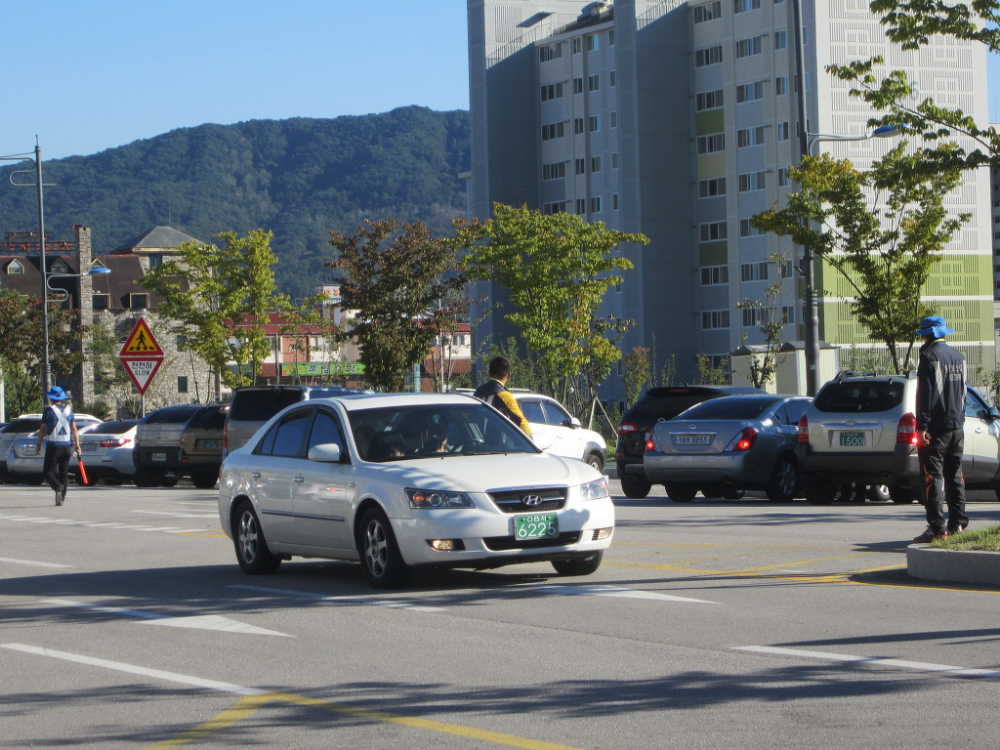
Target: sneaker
{"type": "Point", "coordinates": [59, 497]}
{"type": "Point", "coordinates": [929, 536]}
{"type": "Point", "coordinates": [62, 496]}
{"type": "Point", "coordinates": [957, 530]}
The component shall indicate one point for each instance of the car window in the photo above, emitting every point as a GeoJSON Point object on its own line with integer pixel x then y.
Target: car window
{"type": "Point", "coordinates": [554, 413]}
{"type": "Point", "coordinates": [172, 415]}
{"type": "Point", "coordinates": [261, 405]}
{"type": "Point", "coordinates": [532, 410]}
{"type": "Point", "coordinates": [794, 409]}
{"type": "Point", "coordinates": [288, 436]}
{"type": "Point", "coordinates": [665, 407]}
{"type": "Point", "coordinates": [326, 429]}
{"type": "Point", "coordinates": [860, 396]}
{"type": "Point", "coordinates": [729, 407]}
{"type": "Point", "coordinates": [23, 426]}
{"type": "Point", "coordinates": [114, 428]}
{"type": "Point", "coordinates": [974, 406]}
{"type": "Point", "coordinates": [209, 418]}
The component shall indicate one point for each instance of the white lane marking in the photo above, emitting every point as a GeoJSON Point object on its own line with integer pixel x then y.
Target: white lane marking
{"type": "Point", "coordinates": [156, 674]}
{"type": "Point", "coordinates": [613, 591]}
{"type": "Point", "coordinates": [902, 663]}
{"type": "Point", "coordinates": [33, 562]}
{"type": "Point", "coordinates": [195, 622]}
{"type": "Point", "coordinates": [371, 600]}
{"type": "Point", "coordinates": [110, 525]}
{"type": "Point", "coordinates": [175, 515]}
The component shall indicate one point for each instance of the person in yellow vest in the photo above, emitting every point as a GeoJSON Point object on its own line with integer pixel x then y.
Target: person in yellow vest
{"type": "Point", "coordinates": [494, 392]}
{"type": "Point", "coordinates": [59, 427]}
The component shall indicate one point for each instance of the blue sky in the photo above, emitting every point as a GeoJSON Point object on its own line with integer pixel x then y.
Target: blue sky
{"type": "Point", "coordinates": [87, 76]}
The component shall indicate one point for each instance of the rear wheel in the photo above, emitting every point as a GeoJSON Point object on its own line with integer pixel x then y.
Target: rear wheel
{"type": "Point", "coordinates": [902, 495]}
{"type": "Point", "coordinates": [204, 480]}
{"type": "Point", "coordinates": [633, 486]}
{"type": "Point", "coordinates": [384, 566]}
{"type": "Point", "coordinates": [680, 493]}
{"type": "Point", "coordinates": [251, 548]}
{"type": "Point", "coordinates": [784, 481]}
{"type": "Point", "coordinates": [879, 493]}
{"type": "Point", "coordinates": [583, 565]}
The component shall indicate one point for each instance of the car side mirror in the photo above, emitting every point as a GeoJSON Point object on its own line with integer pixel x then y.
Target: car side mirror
{"type": "Point", "coordinates": [994, 413]}
{"type": "Point", "coordinates": [571, 422]}
{"type": "Point", "coordinates": [325, 453]}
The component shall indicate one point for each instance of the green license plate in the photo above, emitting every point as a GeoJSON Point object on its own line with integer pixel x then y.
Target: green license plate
{"type": "Point", "coordinates": [540, 526]}
{"type": "Point", "coordinates": [852, 439]}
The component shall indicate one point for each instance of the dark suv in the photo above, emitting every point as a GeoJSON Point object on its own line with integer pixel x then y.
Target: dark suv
{"type": "Point", "coordinates": [157, 452]}
{"type": "Point", "coordinates": [201, 445]}
{"type": "Point", "coordinates": [655, 405]}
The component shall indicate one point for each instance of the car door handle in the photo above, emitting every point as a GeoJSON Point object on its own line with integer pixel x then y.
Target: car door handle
{"type": "Point", "coordinates": [298, 480]}
{"type": "Point", "coordinates": [255, 474]}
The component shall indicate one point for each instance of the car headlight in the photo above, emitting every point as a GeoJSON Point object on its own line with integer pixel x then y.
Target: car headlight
{"type": "Point", "coordinates": [438, 499]}
{"type": "Point", "coordinates": [595, 490]}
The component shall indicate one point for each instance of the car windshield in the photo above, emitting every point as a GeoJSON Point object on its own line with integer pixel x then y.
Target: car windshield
{"type": "Point", "coordinates": [23, 425]}
{"type": "Point", "coordinates": [860, 396]}
{"type": "Point", "coordinates": [732, 407]}
{"type": "Point", "coordinates": [114, 428]}
{"type": "Point", "coordinates": [172, 415]}
{"type": "Point", "coordinates": [438, 430]}
{"type": "Point", "coordinates": [668, 403]}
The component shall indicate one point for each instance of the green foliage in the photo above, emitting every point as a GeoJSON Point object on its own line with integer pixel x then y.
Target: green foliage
{"type": "Point", "coordinates": [637, 373]}
{"type": "Point", "coordinates": [209, 288]}
{"type": "Point", "coordinates": [558, 268]}
{"type": "Point", "coordinates": [708, 375]}
{"type": "Point", "coordinates": [399, 279]}
{"type": "Point", "coordinates": [298, 178]}
{"type": "Point", "coordinates": [882, 230]}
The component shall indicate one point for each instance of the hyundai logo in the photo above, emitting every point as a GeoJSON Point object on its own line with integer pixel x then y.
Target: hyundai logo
{"type": "Point", "coordinates": [532, 500]}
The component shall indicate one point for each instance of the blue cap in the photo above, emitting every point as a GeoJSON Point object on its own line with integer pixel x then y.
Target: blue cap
{"type": "Point", "coordinates": [56, 394]}
{"type": "Point", "coordinates": [934, 325]}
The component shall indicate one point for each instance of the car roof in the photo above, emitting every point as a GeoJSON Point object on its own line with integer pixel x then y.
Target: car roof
{"type": "Point", "coordinates": [354, 402]}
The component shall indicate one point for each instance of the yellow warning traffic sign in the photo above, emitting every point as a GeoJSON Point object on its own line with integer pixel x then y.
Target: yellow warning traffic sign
{"type": "Point", "coordinates": [141, 343]}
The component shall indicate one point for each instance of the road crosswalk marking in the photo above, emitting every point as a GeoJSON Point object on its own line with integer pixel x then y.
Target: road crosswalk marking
{"type": "Point", "coordinates": [875, 661]}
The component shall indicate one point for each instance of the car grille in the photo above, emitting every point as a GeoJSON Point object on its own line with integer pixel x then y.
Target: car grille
{"type": "Point", "coordinates": [513, 501]}
{"type": "Point", "coordinates": [498, 543]}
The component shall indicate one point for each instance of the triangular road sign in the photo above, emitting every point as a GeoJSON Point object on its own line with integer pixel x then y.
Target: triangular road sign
{"type": "Point", "coordinates": [141, 342]}
{"type": "Point", "coordinates": [141, 370]}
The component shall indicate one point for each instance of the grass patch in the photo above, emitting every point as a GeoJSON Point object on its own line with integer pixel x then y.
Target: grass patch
{"type": "Point", "coordinates": [985, 540]}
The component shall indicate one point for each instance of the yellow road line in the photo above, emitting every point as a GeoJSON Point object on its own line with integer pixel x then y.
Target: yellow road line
{"type": "Point", "coordinates": [243, 708]}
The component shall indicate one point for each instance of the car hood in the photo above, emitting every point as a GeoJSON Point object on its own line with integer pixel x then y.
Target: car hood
{"type": "Point", "coordinates": [482, 473]}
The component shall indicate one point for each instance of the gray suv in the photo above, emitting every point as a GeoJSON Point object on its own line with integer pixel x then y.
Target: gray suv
{"type": "Point", "coordinates": [862, 428]}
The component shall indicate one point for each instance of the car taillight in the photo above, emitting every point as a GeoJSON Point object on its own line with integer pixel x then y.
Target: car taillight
{"type": "Point", "coordinates": [803, 436]}
{"type": "Point", "coordinates": [113, 443]}
{"type": "Point", "coordinates": [651, 444]}
{"type": "Point", "coordinates": [747, 439]}
{"type": "Point", "coordinates": [906, 432]}
{"type": "Point", "coordinates": [225, 436]}
{"type": "Point", "coordinates": [627, 427]}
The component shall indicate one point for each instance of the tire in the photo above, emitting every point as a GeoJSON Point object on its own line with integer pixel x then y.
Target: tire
{"type": "Point", "coordinates": [204, 481]}
{"type": "Point", "coordinates": [680, 493]}
{"type": "Point", "coordinates": [784, 481]}
{"type": "Point", "coordinates": [146, 478]}
{"type": "Point", "coordinates": [583, 565]}
{"type": "Point", "coordinates": [380, 558]}
{"type": "Point", "coordinates": [251, 547]}
{"type": "Point", "coordinates": [734, 494]}
{"type": "Point", "coordinates": [902, 495]}
{"type": "Point", "coordinates": [712, 491]}
{"type": "Point", "coordinates": [596, 460]}
{"type": "Point", "coordinates": [879, 493]}
{"type": "Point", "coordinates": [169, 481]}
{"type": "Point", "coordinates": [634, 487]}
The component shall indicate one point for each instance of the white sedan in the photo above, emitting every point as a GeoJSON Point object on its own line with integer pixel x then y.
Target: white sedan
{"type": "Point", "coordinates": [400, 481]}
{"type": "Point", "coordinates": [24, 460]}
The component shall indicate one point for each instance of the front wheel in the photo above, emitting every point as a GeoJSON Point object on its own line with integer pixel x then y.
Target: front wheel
{"type": "Point", "coordinates": [251, 547]}
{"type": "Point", "coordinates": [634, 487]}
{"type": "Point", "coordinates": [579, 566]}
{"type": "Point", "coordinates": [204, 480]}
{"type": "Point", "coordinates": [680, 493]}
{"type": "Point", "coordinates": [596, 460]}
{"type": "Point", "coordinates": [784, 481]}
{"type": "Point", "coordinates": [384, 566]}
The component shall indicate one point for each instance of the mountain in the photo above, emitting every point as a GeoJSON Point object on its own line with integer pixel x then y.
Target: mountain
{"type": "Point", "coordinates": [299, 178]}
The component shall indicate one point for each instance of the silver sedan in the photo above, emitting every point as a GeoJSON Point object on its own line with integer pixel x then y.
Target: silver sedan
{"type": "Point", "coordinates": [727, 445]}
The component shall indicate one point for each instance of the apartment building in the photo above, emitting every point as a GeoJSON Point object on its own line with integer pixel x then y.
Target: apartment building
{"type": "Point", "coordinates": [679, 120]}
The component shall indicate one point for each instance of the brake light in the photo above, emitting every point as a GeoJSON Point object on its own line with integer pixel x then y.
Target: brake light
{"type": "Point", "coordinates": [803, 430]}
{"type": "Point", "coordinates": [627, 427]}
{"type": "Point", "coordinates": [747, 439]}
{"type": "Point", "coordinates": [906, 432]}
{"type": "Point", "coordinates": [651, 444]}
{"type": "Point", "coordinates": [113, 442]}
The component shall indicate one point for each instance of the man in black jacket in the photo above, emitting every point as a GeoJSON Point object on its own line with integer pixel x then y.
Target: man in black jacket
{"type": "Point", "coordinates": [494, 392]}
{"type": "Point", "coordinates": [940, 426]}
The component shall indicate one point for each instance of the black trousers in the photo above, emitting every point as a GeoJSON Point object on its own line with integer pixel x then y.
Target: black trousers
{"type": "Point", "coordinates": [944, 483]}
{"type": "Point", "coordinates": [56, 465]}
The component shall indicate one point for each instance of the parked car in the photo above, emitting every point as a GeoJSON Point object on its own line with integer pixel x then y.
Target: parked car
{"type": "Point", "coordinates": [350, 478]}
{"type": "Point", "coordinates": [636, 424]}
{"type": "Point", "coordinates": [107, 451]}
{"type": "Point", "coordinates": [251, 407]}
{"type": "Point", "coordinates": [556, 430]}
{"type": "Point", "coordinates": [201, 445]}
{"type": "Point", "coordinates": [19, 427]}
{"type": "Point", "coordinates": [157, 450]}
{"type": "Point", "coordinates": [862, 428]}
{"type": "Point", "coordinates": [729, 443]}
{"type": "Point", "coordinates": [25, 461]}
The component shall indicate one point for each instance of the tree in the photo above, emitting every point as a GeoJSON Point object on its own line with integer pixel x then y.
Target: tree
{"type": "Point", "coordinates": [557, 268]}
{"type": "Point", "coordinates": [763, 366]}
{"type": "Point", "coordinates": [393, 276]}
{"type": "Point", "coordinates": [637, 371]}
{"type": "Point", "coordinates": [882, 230]}
{"type": "Point", "coordinates": [216, 297]}
{"type": "Point", "coordinates": [21, 358]}
{"type": "Point", "coordinates": [911, 24]}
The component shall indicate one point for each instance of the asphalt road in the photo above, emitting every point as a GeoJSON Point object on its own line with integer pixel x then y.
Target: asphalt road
{"type": "Point", "coordinates": [126, 623]}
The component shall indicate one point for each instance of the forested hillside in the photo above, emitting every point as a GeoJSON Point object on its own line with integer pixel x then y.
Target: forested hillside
{"type": "Point", "coordinates": [299, 178]}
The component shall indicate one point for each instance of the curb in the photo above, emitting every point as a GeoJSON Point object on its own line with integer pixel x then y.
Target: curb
{"type": "Point", "coordinates": [959, 566]}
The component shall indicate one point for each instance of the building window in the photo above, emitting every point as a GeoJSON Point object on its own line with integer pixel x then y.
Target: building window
{"type": "Point", "coordinates": [781, 85]}
{"type": "Point", "coordinates": [577, 45]}
{"type": "Point", "coordinates": [138, 301]}
{"type": "Point", "coordinates": [712, 187]}
{"type": "Point", "coordinates": [58, 267]}
{"type": "Point", "coordinates": [14, 268]}
{"type": "Point", "coordinates": [787, 314]}
{"type": "Point", "coordinates": [753, 271]}
{"type": "Point", "coordinates": [550, 52]}
{"type": "Point", "coordinates": [711, 319]}
{"type": "Point", "coordinates": [614, 160]}
{"type": "Point", "coordinates": [614, 202]}
{"type": "Point", "coordinates": [752, 181]}
{"type": "Point", "coordinates": [552, 91]}
{"type": "Point", "coordinates": [708, 12]}
{"type": "Point", "coordinates": [748, 47]}
{"type": "Point", "coordinates": [786, 268]}
{"type": "Point", "coordinates": [749, 92]}
{"type": "Point", "coordinates": [581, 206]}
{"type": "Point", "coordinates": [181, 343]}
{"type": "Point", "coordinates": [613, 78]}
{"type": "Point", "coordinates": [580, 166]}
{"type": "Point", "coordinates": [752, 316]}
{"type": "Point", "coordinates": [554, 171]}
{"type": "Point", "coordinates": [553, 130]}
{"type": "Point", "coordinates": [783, 177]}
{"type": "Point", "coordinates": [577, 85]}
{"type": "Point", "coordinates": [750, 137]}
{"type": "Point", "coordinates": [708, 100]}
{"type": "Point", "coordinates": [714, 275]}
{"type": "Point", "coordinates": [614, 118]}
{"type": "Point", "coordinates": [743, 6]}
{"type": "Point", "coordinates": [577, 125]}
{"type": "Point", "coordinates": [593, 42]}
{"type": "Point", "coordinates": [155, 261]}
{"type": "Point", "coordinates": [611, 38]}
{"type": "Point", "coordinates": [594, 82]}
{"type": "Point", "coordinates": [708, 56]}
{"type": "Point", "coordinates": [595, 163]}
{"type": "Point", "coordinates": [712, 231]}
{"type": "Point", "coordinates": [554, 208]}
{"type": "Point", "coordinates": [710, 144]}
{"type": "Point", "coordinates": [783, 131]}
{"type": "Point", "coordinates": [780, 39]}
{"type": "Point", "coordinates": [595, 205]}
{"type": "Point", "coordinates": [182, 384]}
{"type": "Point", "coordinates": [594, 123]}
{"type": "Point", "coordinates": [749, 230]}
{"type": "Point", "coordinates": [102, 301]}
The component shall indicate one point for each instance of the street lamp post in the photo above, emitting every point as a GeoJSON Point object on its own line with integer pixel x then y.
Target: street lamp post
{"type": "Point", "coordinates": [98, 271]}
